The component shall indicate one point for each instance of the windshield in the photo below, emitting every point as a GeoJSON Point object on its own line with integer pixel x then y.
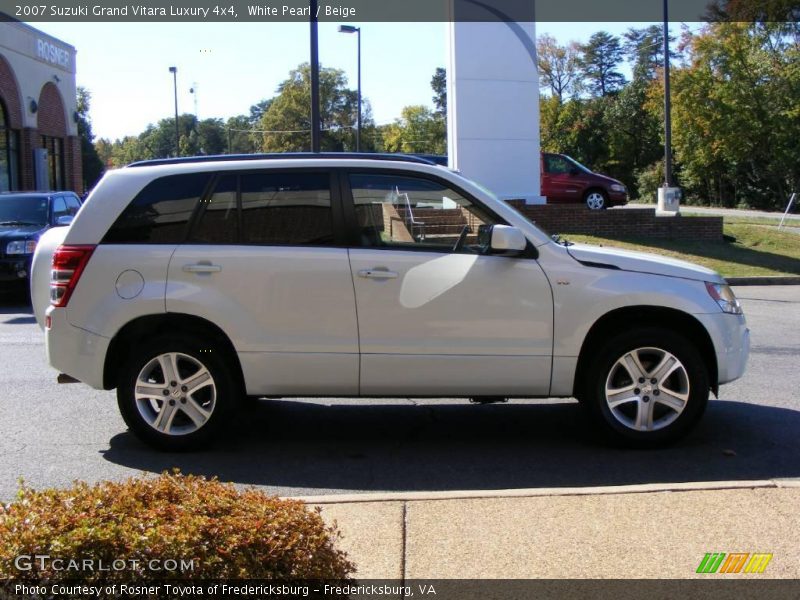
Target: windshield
{"type": "Point", "coordinates": [577, 164]}
{"type": "Point", "coordinates": [23, 210]}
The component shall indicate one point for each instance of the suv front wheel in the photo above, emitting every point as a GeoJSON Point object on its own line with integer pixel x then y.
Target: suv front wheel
{"type": "Point", "coordinates": [175, 393]}
{"type": "Point", "coordinates": [647, 387]}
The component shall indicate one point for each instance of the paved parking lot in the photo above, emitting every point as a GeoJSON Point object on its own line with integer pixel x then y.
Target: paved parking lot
{"type": "Point", "coordinates": [53, 434]}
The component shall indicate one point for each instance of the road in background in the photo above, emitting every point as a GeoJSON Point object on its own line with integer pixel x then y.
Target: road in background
{"type": "Point", "coordinates": [727, 212]}
{"type": "Point", "coordinates": [53, 434]}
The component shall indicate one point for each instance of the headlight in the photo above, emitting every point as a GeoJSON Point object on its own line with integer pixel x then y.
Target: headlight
{"type": "Point", "coordinates": [21, 247]}
{"type": "Point", "coordinates": [618, 188]}
{"type": "Point", "coordinates": [724, 296]}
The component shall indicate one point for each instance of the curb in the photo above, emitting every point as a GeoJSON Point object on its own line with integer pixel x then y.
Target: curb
{"type": "Point", "coordinates": [790, 280]}
{"type": "Point", "coordinates": [644, 488]}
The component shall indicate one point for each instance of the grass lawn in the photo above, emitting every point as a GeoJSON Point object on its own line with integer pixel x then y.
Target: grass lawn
{"type": "Point", "coordinates": [758, 250]}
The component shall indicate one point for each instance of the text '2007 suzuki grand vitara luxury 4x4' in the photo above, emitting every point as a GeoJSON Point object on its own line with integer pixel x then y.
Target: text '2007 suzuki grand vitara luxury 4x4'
{"type": "Point", "coordinates": [188, 284]}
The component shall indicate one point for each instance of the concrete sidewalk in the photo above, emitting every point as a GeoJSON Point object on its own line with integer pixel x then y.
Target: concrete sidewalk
{"type": "Point", "coordinates": [631, 532]}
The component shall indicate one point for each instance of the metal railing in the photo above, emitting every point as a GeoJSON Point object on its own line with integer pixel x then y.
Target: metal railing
{"type": "Point", "coordinates": [410, 222]}
{"type": "Point", "coordinates": [788, 208]}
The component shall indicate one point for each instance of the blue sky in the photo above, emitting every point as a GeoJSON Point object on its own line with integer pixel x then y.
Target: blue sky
{"type": "Point", "coordinates": [234, 65]}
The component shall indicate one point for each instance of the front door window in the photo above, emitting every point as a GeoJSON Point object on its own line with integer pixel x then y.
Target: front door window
{"type": "Point", "coordinates": [409, 213]}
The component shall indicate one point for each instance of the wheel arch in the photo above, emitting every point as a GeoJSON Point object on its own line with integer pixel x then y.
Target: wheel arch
{"type": "Point", "coordinates": [633, 316]}
{"type": "Point", "coordinates": [141, 328]}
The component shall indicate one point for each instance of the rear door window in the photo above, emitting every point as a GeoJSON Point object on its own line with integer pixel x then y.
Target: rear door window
{"type": "Point", "coordinates": [286, 208]}
{"type": "Point", "coordinates": [160, 213]}
{"type": "Point", "coordinates": [219, 221]}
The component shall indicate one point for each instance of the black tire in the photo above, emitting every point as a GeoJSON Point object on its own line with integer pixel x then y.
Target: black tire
{"type": "Point", "coordinates": [595, 195]}
{"type": "Point", "coordinates": [604, 369]}
{"type": "Point", "coordinates": [227, 396]}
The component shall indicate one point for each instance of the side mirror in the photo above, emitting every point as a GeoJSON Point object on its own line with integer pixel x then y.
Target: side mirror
{"type": "Point", "coordinates": [64, 220]}
{"type": "Point", "coordinates": [574, 171]}
{"type": "Point", "coordinates": [507, 240]}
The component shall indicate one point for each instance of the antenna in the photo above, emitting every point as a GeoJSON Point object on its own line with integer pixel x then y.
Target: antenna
{"type": "Point", "coordinates": [194, 91]}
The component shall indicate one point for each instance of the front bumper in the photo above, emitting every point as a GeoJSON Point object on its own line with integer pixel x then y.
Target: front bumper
{"type": "Point", "coordinates": [15, 268]}
{"type": "Point", "coordinates": [74, 351]}
{"type": "Point", "coordinates": [731, 339]}
{"type": "Point", "coordinates": [617, 198]}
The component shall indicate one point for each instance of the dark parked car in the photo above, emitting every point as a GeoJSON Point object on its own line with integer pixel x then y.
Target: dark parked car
{"type": "Point", "coordinates": [565, 180]}
{"type": "Point", "coordinates": [24, 217]}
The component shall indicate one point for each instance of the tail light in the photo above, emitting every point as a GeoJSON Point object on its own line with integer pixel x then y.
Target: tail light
{"type": "Point", "coordinates": [67, 267]}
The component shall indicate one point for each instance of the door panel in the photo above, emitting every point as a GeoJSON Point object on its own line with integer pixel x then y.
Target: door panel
{"type": "Point", "coordinates": [561, 184]}
{"type": "Point", "coordinates": [452, 323]}
{"type": "Point", "coordinates": [281, 307]}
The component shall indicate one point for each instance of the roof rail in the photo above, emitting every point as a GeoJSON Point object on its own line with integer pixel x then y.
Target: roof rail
{"type": "Point", "coordinates": [283, 156]}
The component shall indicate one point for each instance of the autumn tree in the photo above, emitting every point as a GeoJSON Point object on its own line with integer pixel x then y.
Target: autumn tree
{"type": "Point", "coordinates": [559, 66]}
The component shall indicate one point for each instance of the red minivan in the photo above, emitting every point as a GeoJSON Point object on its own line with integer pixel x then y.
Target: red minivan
{"type": "Point", "coordinates": [565, 180]}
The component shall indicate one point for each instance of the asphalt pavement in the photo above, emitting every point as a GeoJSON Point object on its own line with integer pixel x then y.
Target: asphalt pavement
{"type": "Point", "coordinates": [52, 434]}
{"type": "Point", "coordinates": [728, 212]}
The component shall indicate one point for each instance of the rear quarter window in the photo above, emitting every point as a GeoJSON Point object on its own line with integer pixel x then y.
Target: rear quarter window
{"type": "Point", "coordinates": [160, 213]}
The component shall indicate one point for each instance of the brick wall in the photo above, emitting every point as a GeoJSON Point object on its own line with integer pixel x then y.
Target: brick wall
{"type": "Point", "coordinates": [73, 164]}
{"type": "Point", "coordinates": [28, 140]}
{"type": "Point", "coordinates": [50, 117]}
{"type": "Point", "coordinates": [9, 94]}
{"type": "Point", "coordinates": [620, 223]}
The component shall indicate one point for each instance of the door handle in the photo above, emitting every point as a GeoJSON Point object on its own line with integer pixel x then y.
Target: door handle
{"type": "Point", "coordinates": [202, 268]}
{"type": "Point", "coordinates": [377, 274]}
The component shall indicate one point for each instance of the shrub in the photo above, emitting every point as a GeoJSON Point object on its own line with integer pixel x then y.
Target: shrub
{"type": "Point", "coordinates": [648, 180]}
{"type": "Point", "coordinates": [226, 533]}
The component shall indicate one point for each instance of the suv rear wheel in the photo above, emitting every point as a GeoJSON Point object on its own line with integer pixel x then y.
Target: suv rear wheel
{"type": "Point", "coordinates": [175, 393]}
{"type": "Point", "coordinates": [647, 387]}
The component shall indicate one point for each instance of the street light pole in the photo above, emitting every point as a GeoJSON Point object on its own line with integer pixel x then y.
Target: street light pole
{"type": "Point", "coordinates": [356, 30]}
{"type": "Point", "coordinates": [667, 105]}
{"type": "Point", "coordinates": [174, 71]}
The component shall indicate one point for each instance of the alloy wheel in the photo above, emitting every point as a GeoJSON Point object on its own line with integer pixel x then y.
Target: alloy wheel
{"type": "Point", "coordinates": [175, 393]}
{"type": "Point", "coordinates": [595, 201]}
{"type": "Point", "coordinates": [647, 389]}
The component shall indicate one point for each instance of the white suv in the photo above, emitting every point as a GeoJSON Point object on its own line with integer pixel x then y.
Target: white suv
{"type": "Point", "coordinates": [190, 284]}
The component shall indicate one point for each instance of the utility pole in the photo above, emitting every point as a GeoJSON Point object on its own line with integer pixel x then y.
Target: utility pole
{"type": "Point", "coordinates": [667, 104]}
{"type": "Point", "coordinates": [669, 196]}
{"type": "Point", "coordinates": [315, 133]}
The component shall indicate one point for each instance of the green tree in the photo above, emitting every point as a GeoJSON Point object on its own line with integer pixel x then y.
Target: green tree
{"type": "Point", "coordinates": [599, 61]}
{"type": "Point", "coordinates": [211, 137]}
{"type": "Point", "coordinates": [240, 138]}
{"type": "Point", "coordinates": [104, 150]}
{"type": "Point", "coordinates": [130, 149]}
{"type": "Point", "coordinates": [286, 123]}
{"type": "Point", "coordinates": [417, 130]}
{"type": "Point", "coordinates": [93, 167]}
{"type": "Point", "coordinates": [644, 49]}
{"type": "Point", "coordinates": [736, 114]}
{"type": "Point", "coordinates": [439, 86]}
{"type": "Point", "coordinates": [258, 109]}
